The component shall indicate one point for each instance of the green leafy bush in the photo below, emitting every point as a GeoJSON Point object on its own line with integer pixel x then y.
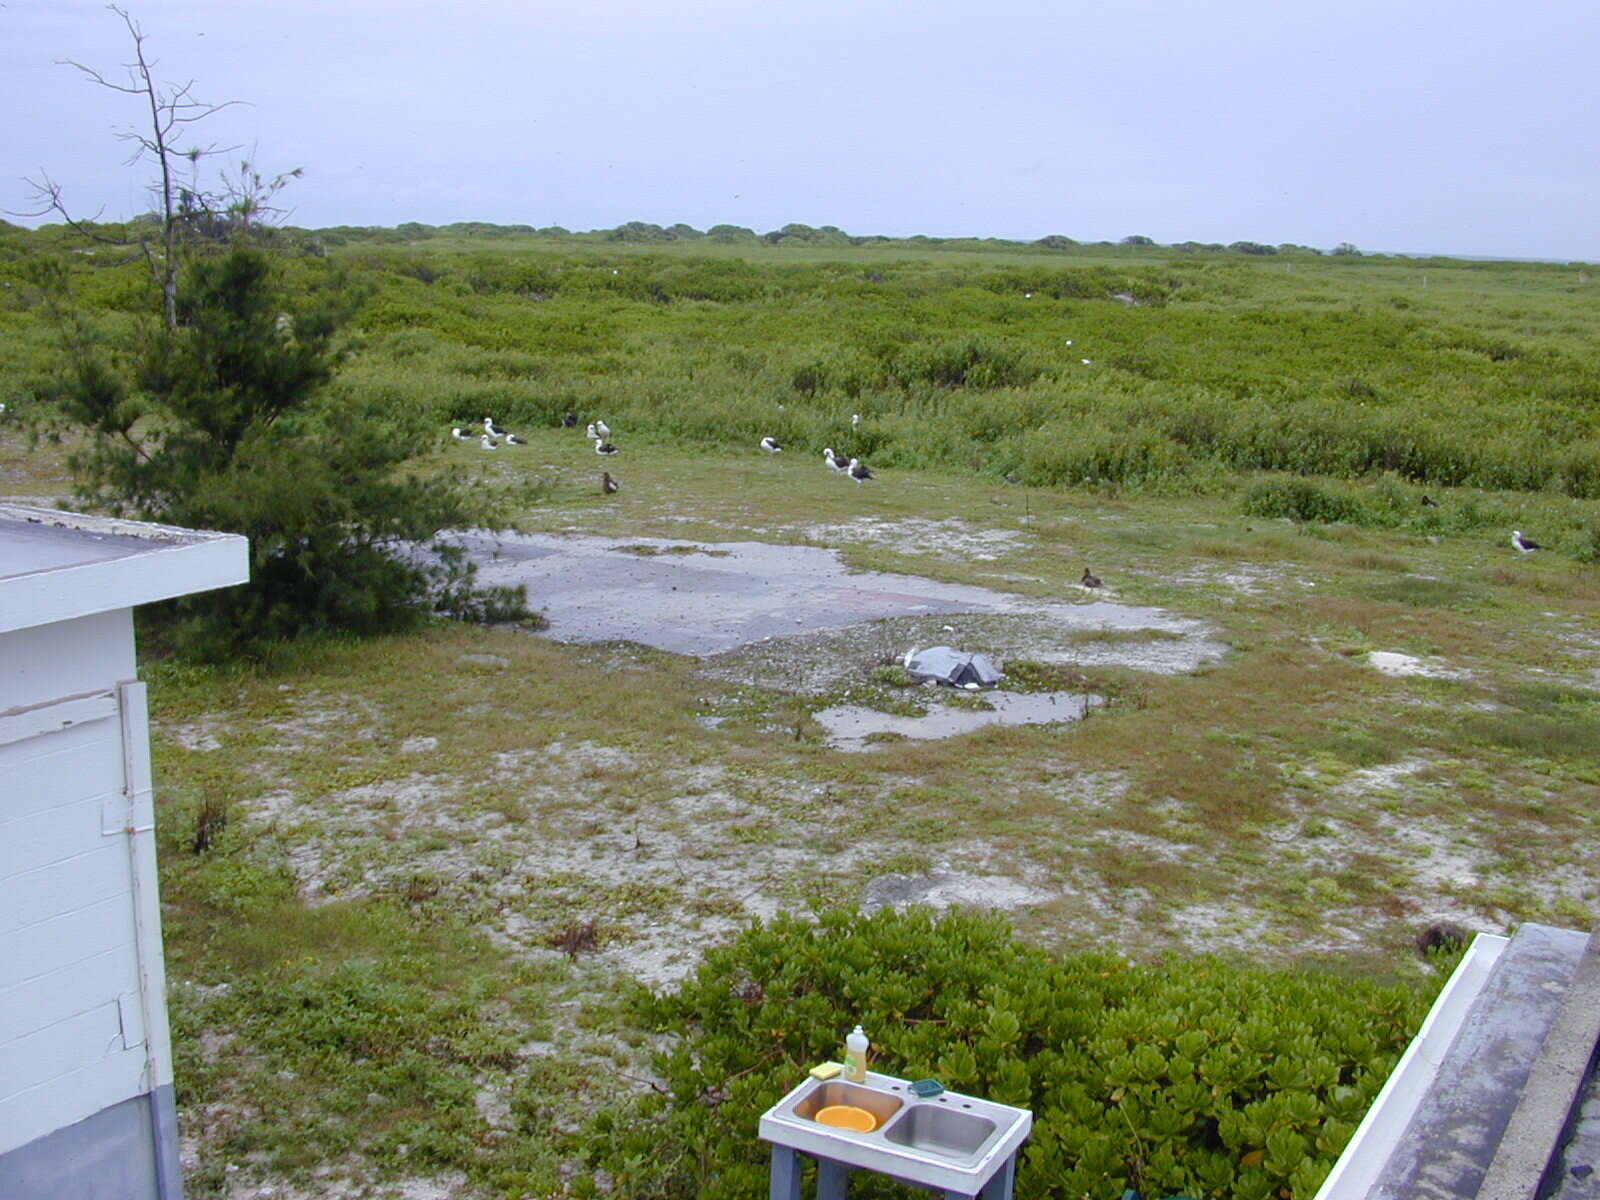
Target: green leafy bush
{"type": "Point", "coordinates": [1300, 501]}
{"type": "Point", "coordinates": [1191, 1077]}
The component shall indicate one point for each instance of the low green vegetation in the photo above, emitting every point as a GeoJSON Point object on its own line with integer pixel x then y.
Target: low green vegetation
{"type": "Point", "coordinates": [1192, 1077]}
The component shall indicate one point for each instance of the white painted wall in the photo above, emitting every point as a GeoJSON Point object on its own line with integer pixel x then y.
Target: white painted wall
{"type": "Point", "coordinates": [75, 1031]}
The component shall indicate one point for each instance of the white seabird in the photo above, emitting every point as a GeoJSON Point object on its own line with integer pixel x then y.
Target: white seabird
{"type": "Point", "coordinates": [488, 443]}
{"type": "Point", "coordinates": [835, 463]}
{"type": "Point", "coordinates": [488, 427]}
{"type": "Point", "coordinates": [459, 434]}
{"type": "Point", "coordinates": [601, 446]}
{"type": "Point", "coordinates": [590, 432]}
{"type": "Point", "coordinates": [602, 429]}
{"type": "Point", "coordinates": [859, 471]}
{"type": "Point", "coordinates": [855, 420]}
{"type": "Point", "coordinates": [1524, 545]}
{"type": "Point", "coordinates": [771, 446]}
{"type": "Point", "coordinates": [514, 440]}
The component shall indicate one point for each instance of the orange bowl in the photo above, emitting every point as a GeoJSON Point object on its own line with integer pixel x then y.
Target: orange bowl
{"type": "Point", "coordinates": [847, 1116]}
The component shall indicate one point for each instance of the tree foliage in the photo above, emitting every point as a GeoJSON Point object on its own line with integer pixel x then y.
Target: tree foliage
{"type": "Point", "coordinates": [226, 423]}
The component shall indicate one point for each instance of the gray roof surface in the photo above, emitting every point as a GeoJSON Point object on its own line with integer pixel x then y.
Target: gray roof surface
{"type": "Point", "coordinates": [1457, 1130]}
{"type": "Point", "coordinates": [27, 546]}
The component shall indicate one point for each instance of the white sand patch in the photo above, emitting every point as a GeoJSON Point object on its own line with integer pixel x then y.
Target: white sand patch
{"type": "Point", "coordinates": [942, 889]}
{"type": "Point", "coordinates": [1397, 665]}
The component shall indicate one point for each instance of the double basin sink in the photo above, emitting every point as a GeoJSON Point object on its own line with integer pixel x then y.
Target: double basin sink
{"type": "Point", "coordinates": [948, 1141]}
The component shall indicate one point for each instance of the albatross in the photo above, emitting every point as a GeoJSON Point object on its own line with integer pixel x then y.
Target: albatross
{"type": "Point", "coordinates": [608, 485]}
{"type": "Point", "coordinates": [859, 471]}
{"type": "Point", "coordinates": [488, 443]}
{"type": "Point", "coordinates": [601, 446]}
{"type": "Point", "coordinates": [489, 428]}
{"type": "Point", "coordinates": [771, 446]}
{"type": "Point", "coordinates": [835, 464]}
{"type": "Point", "coordinates": [1523, 545]}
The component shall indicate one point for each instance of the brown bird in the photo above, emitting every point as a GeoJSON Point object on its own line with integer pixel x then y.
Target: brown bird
{"type": "Point", "coordinates": [608, 485]}
{"type": "Point", "coordinates": [1090, 581]}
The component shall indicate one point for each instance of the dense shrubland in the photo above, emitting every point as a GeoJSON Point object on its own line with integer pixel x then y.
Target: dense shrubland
{"type": "Point", "coordinates": [1198, 367]}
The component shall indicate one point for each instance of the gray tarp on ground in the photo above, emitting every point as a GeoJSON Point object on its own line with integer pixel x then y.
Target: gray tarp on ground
{"type": "Point", "coordinates": [952, 666]}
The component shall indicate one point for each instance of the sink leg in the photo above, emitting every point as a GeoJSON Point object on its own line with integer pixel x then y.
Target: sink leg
{"type": "Point", "coordinates": [833, 1180]}
{"type": "Point", "coordinates": [1000, 1183]}
{"type": "Point", "coordinates": [785, 1178]}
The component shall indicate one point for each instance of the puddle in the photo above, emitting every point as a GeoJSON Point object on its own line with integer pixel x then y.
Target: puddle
{"type": "Point", "coordinates": [850, 726]}
{"type": "Point", "coordinates": [702, 600]}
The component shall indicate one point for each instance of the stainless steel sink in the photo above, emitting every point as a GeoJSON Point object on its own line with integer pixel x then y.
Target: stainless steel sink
{"type": "Point", "coordinates": [940, 1130]}
{"type": "Point", "coordinates": [880, 1104]}
{"type": "Point", "coordinates": [950, 1141]}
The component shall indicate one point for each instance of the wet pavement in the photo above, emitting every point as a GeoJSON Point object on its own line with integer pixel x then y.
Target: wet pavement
{"type": "Point", "coordinates": [699, 599]}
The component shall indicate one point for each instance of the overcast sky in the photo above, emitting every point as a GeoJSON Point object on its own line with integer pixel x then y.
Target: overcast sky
{"type": "Point", "coordinates": [1451, 126]}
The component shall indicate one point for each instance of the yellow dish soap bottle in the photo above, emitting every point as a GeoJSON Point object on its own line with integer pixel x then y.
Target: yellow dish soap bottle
{"type": "Point", "coordinates": [855, 1057]}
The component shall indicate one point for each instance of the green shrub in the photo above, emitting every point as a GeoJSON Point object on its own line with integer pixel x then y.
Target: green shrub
{"type": "Point", "coordinates": [1193, 1077]}
{"type": "Point", "coordinates": [1300, 501]}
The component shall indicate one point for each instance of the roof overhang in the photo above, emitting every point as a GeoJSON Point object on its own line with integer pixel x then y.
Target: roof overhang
{"type": "Point", "coordinates": [57, 565]}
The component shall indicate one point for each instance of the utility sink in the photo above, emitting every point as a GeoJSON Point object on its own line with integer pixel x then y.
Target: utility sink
{"type": "Point", "coordinates": [949, 1141]}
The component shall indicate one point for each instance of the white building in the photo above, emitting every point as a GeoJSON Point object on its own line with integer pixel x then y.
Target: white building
{"type": "Point", "coordinates": [86, 1100]}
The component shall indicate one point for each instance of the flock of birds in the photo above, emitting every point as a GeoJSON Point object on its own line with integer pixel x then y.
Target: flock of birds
{"type": "Point", "coordinates": [598, 432]}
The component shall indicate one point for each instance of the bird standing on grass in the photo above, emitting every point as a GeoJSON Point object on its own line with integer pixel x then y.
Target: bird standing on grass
{"type": "Point", "coordinates": [1523, 545]}
{"type": "Point", "coordinates": [608, 485]}
{"type": "Point", "coordinates": [1090, 580]}
{"type": "Point", "coordinates": [859, 471]}
{"type": "Point", "coordinates": [489, 428]}
{"type": "Point", "coordinates": [771, 446]}
{"type": "Point", "coordinates": [601, 446]}
{"type": "Point", "coordinates": [602, 428]}
{"type": "Point", "coordinates": [835, 464]}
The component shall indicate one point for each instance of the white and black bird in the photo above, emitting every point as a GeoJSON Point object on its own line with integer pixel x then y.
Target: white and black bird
{"type": "Point", "coordinates": [1523, 545]}
{"type": "Point", "coordinates": [608, 485]}
{"type": "Point", "coordinates": [601, 446]}
{"type": "Point", "coordinates": [460, 434]}
{"type": "Point", "coordinates": [859, 471]}
{"type": "Point", "coordinates": [489, 428]}
{"type": "Point", "coordinates": [488, 443]}
{"type": "Point", "coordinates": [1429, 502]}
{"type": "Point", "coordinates": [513, 440]}
{"type": "Point", "coordinates": [569, 420]}
{"type": "Point", "coordinates": [855, 420]}
{"type": "Point", "coordinates": [771, 446]}
{"type": "Point", "coordinates": [602, 429]}
{"type": "Point", "coordinates": [1089, 580]}
{"type": "Point", "coordinates": [835, 464]}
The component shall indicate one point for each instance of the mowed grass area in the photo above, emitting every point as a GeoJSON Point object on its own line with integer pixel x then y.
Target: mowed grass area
{"type": "Point", "coordinates": [373, 854]}
{"type": "Point", "coordinates": [413, 822]}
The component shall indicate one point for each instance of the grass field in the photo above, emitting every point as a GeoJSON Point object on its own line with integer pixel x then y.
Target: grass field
{"type": "Point", "coordinates": [367, 981]}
